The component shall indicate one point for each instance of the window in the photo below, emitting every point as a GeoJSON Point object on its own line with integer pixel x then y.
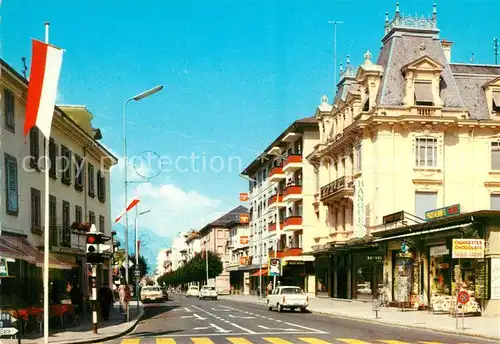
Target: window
{"type": "Point", "coordinates": [66, 165]}
{"type": "Point", "coordinates": [495, 201]}
{"type": "Point", "coordinates": [423, 93]}
{"type": "Point", "coordinates": [79, 172]}
{"type": "Point", "coordinates": [52, 212]}
{"type": "Point", "coordinates": [90, 169]}
{"type": "Point", "coordinates": [35, 211]}
{"type": "Point", "coordinates": [101, 187]}
{"type": "Point", "coordinates": [496, 101]}
{"type": "Point", "coordinates": [11, 185]}
{"type": "Point", "coordinates": [101, 224]}
{"type": "Point", "coordinates": [53, 158]}
{"type": "Point", "coordinates": [8, 109]}
{"type": "Point", "coordinates": [78, 214]}
{"type": "Point", "coordinates": [495, 155]}
{"type": "Point", "coordinates": [34, 147]}
{"type": "Point", "coordinates": [357, 158]}
{"type": "Point", "coordinates": [366, 105]}
{"type": "Point", "coordinates": [426, 152]}
{"type": "Point", "coordinates": [66, 230]}
{"type": "Point", "coordinates": [91, 217]}
{"type": "Point", "coordinates": [425, 201]}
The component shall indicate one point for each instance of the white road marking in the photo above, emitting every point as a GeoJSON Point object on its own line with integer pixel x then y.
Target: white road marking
{"type": "Point", "coordinates": [238, 334]}
{"type": "Point", "coordinates": [230, 323]}
{"type": "Point", "coordinates": [280, 329]}
{"type": "Point", "coordinates": [239, 317]}
{"type": "Point", "coordinates": [181, 309]}
{"type": "Point", "coordinates": [306, 328]}
{"type": "Point", "coordinates": [193, 316]}
{"type": "Point", "coordinates": [220, 329]}
{"type": "Point", "coordinates": [221, 310]}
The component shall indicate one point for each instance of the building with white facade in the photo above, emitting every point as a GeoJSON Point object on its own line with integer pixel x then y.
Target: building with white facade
{"type": "Point", "coordinates": [193, 244]}
{"type": "Point", "coordinates": [164, 261]}
{"type": "Point", "coordinates": [281, 207]}
{"type": "Point", "coordinates": [179, 250]}
{"type": "Point", "coordinates": [79, 191]}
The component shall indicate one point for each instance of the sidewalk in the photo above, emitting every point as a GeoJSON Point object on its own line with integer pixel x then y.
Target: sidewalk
{"type": "Point", "coordinates": [107, 330]}
{"type": "Point", "coordinates": [485, 327]}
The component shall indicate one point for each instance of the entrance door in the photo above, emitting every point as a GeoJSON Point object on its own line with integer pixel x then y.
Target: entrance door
{"type": "Point", "coordinates": [342, 277]}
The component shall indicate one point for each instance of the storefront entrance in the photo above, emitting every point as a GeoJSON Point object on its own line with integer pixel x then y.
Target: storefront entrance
{"type": "Point", "coordinates": [368, 274]}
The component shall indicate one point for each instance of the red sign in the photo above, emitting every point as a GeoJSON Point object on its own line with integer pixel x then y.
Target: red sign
{"type": "Point", "coordinates": [244, 218]}
{"type": "Point", "coordinates": [243, 196]}
{"type": "Point", "coordinates": [243, 240]}
{"type": "Point", "coordinates": [463, 297]}
{"type": "Point", "coordinates": [244, 260]}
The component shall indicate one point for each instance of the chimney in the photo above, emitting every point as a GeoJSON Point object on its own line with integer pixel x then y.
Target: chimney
{"type": "Point", "coordinates": [447, 49]}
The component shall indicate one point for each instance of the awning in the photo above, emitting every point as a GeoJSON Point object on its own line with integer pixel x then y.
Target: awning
{"type": "Point", "coordinates": [9, 251]}
{"type": "Point", "coordinates": [32, 254]}
{"type": "Point", "coordinates": [423, 232]}
{"type": "Point", "coordinates": [259, 273]}
{"type": "Point", "coordinates": [298, 259]}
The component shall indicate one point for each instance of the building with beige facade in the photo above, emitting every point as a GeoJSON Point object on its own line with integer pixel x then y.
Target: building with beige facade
{"type": "Point", "coordinates": [410, 131]}
{"type": "Point", "coordinates": [281, 206]}
{"type": "Point", "coordinates": [79, 192]}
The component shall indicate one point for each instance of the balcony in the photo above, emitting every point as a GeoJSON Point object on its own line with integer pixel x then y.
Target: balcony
{"type": "Point", "coordinates": [292, 193]}
{"type": "Point", "coordinates": [425, 111]}
{"type": "Point", "coordinates": [336, 190]}
{"type": "Point", "coordinates": [64, 238]}
{"type": "Point", "coordinates": [276, 174]}
{"type": "Point", "coordinates": [292, 163]}
{"type": "Point", "coordinates": [293, 223]}
{"type": "Point", "coordinates": [289, 252]}
{"type": "Point", "coordinates": [276, 201]}
{"type": "Point", "coordinates": [272, 226]}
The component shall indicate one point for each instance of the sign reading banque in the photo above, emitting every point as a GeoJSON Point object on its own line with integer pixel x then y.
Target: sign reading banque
{"type": "Point", "coordinates": [468, 248]}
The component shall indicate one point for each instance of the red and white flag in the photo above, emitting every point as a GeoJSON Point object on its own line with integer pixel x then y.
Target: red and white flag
{"type": "Point", "coordinates": [46, 64]}
{"type": "Point", "coordinates": [132, 204]}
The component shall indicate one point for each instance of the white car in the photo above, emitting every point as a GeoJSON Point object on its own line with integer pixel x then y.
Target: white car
{"type": "Point", "coordinates": [208, 293]}
{"type": "Point", "coordinates": [193, 291]}
{"type": "Point", "coordinates": [152, 294]}
{"type": "Point", "coordinates": [288, 297]}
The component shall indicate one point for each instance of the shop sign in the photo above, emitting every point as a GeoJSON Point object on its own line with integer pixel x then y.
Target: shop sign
{"type": "Point", "coordinates": [359, 208]}
{"type": "Point", "coordinates": [375, 258]}
{"type": "Point", "coordinates": [243, 240]}
{"type": "Point", "coordinates": [395, 217]}
{"type": "Point", "coordinates": [468, 248]}
{"type": "Point", "coordinates": [4, 269]}
{"type": "Point", "coordinates": [274, 267]}
{"type": "Point", "coordinates": [243, 196]}
{"type": "Point", "coordinates": [441, 250]}
{"type": "Point", "coordinates": [244, 261]}
{"type": "Point", "coordinates": [244, 218]}
{"type": "Point", "coordinates": [440, 213]}
{"type": "Point", "coordinates": [295, 263]}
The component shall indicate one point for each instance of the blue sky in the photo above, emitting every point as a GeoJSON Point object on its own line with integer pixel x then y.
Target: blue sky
{"type": "Point", "coordinates": [236, 73]}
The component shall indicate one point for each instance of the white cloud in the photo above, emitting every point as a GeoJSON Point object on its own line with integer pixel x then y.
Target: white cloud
{"type": "Point", "coordinates": [173, 209]}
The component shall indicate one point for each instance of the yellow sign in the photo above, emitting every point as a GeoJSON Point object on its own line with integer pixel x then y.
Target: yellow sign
{"type": "Point", "coordinates": [468, 248]}
{"type": "Point", "coordinates": [244, 218]}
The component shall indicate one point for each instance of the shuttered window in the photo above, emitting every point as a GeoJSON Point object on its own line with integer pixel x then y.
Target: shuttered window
{"type": "Point", "coordinates": [66, 229]}
{"type": "Point", "coordinates": [495, 155]}
{"type": "Point", "coordinates": [101, 186]}
{"type": "Point", "coordinates": [101, 224]}
{"type": "Point", "coordinates": [52, 211]}
{"type": "Point", "coordinates": [78, 214]}
{"type": "Point", "coordinates": [65, 165]}
{"type": "Point", "coordinates": [425, 201]}
{"type": "Point", "coordinates": [9, 110]}
{"type": "Point", "coordinates": [11, 185]}
{"type": "Point", "coordinates": [495, 201]}
{"type": "Point", "coordinates": [91, 217]}
{"type": "Point", "coordinates": [79, 172]}
{"type": "Point", "coordinates": [53, 159]}
{"type": "Point", "coordinates": [496, 101]}
{"type": "Point", "coordinates": [423, 93]}
{"type": "Point", "coordinates": [34, 147]}
{"type": "Point", "coordinates": [35, 211]}
{"type": "Point", "coordinates": [90, 169]}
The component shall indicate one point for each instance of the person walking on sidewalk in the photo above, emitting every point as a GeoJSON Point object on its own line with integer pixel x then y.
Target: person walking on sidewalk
{"type": "Point", "coordinates": [269, 287]}
{"type": "Point", "coordinates": [124, 293]}
{"type": "Point", "coordinates": [105, 297]}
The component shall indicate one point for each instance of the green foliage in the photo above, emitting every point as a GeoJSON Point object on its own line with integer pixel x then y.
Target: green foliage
{"type": "Point", "coordinates": [194, 270]}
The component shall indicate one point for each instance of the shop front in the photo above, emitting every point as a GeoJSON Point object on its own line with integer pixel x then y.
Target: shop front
{"type": "Point", "coordinates": [299, 271]}
{"type": "Point", "coordinates": [368, 274]}
{"type": "Point", "coordinates": [323, 275]}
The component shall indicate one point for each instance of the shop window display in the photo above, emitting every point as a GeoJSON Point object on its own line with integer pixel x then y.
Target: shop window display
{"type": "Point", "coordinates": [440, 282]}
{"type": "Point", "coordinates": [403, 277]}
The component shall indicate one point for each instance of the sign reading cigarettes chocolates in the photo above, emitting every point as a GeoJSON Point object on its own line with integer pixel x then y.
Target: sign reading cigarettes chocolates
{"type": "Point", "coordinates": [468, 248]}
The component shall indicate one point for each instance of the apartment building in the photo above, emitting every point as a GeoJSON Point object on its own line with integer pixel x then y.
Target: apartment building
{"type": "Point", "coordinates": [407, 162]}
{"type": "Point", "coordinates": [215, 237]}
{"type": "Point", "coordinates": [281, 206]}
{"type": "Point", "coordinates": [193, 244]}
{"type": "Point", "coordinates": [179, 250]}
{"type": "Point", "coordinates": [79, 191]}
{"type": "Point", "coordinates": [239, 262]}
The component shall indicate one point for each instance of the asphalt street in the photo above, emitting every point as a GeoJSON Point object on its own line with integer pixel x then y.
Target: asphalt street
{"type": "Point", "coordinates": [189, 320]}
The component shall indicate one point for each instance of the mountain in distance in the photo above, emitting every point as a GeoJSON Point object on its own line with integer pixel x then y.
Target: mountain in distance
{"type": "Point", "coordinates": [151, 243]}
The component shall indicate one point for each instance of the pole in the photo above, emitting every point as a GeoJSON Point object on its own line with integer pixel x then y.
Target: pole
{"type": "Point", "coordinates": [46, 245]}
{"type": "Point", "coordinates": [206, 261]}
{"type": "Point", "coordinates": [126, 196]}
{"type": "Point", "coordinates": [335, 22]}
{"type": "Point", "coordinates": [278, 227]}
{"type": "Point", "coordinates": [260, 265]}
{"type": "Point", "coordinates": [495, 49]}
{"type": "Point", "coordinates": [94, 298]}
{"type": "Point", "coordinates": [137, 267]}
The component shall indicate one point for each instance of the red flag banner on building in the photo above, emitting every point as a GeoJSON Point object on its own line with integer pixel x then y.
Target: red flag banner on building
{"type": "Point", "coordinates": [46, 61]}
{"type": "Point", "coordinates": [132, 204]}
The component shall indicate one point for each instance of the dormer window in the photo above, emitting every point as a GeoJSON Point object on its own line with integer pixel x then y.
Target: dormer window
{"type": "Point", "coordinates": [366, 105]}
{"type": "Point", "coordinates": [423, 93]}
{"type": "Point", "coordinates": [496, 101]}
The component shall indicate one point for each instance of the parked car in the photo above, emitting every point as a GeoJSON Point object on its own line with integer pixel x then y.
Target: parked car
{"type": "Point", "coordinates": [288, 297]}
{"type": "Point", "coordinates": [208, 292]}
{"type": "Point", "coordinates": [193, 291]}
{"type": "Point", "coordinates": [151, 293]}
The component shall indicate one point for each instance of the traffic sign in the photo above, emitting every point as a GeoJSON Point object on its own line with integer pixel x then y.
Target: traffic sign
{"type": "Point", "coordinates": [6, 319]}
{"type": "Point", "coordinates": [8, 331]}
{"type": "Point", "coordinates": [463, 297]}
{"type": "Point", "coordinates": [130, 264]}
{"type": "Point", "coordinates": [137, 273]}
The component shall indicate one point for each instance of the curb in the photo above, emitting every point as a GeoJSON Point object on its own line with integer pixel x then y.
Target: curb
{"type": "Point", "coordinates": [387, 323]}
{"type": "Point", "coordinates": [110, 337]}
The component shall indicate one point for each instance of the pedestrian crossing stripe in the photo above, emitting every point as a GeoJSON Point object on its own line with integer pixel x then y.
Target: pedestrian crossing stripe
{"type": "Point", "coordinates": [277, 340]}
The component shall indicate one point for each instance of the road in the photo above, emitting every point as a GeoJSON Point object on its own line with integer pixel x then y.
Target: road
{"type": "Point", "coordinates": [187, 320]}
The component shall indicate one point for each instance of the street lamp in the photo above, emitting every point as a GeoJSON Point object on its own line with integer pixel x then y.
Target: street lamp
{"type": "Point", "coordinates": [135, 98]}
{"type": "Point", "coordinates": [137, 267]}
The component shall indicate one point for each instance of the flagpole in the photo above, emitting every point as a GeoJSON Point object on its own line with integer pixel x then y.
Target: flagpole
{"type": "Point", "coordinates": [46, 232]}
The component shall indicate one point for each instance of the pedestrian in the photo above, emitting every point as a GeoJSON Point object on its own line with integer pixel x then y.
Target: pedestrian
{"type": "Point", "coordinates": [269, 287]}
{"type": "Point", "coordinates": [76, 296]}
{"type": "Point", "coordinates": [105, 298]}
{"type": "Point", "coordinates": [124, 293]}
